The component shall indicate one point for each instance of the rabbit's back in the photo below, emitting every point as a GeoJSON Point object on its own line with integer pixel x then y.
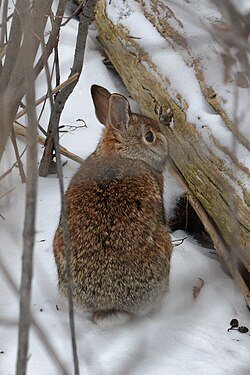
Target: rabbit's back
{"type": "Point", "coordinates": [120, 245]}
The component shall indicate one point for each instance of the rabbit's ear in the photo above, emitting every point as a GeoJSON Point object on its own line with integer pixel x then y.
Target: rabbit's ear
{"type": "Point", "coordinates": [100, 98]}
{"type": "Point", "coordinates": [119, 111]}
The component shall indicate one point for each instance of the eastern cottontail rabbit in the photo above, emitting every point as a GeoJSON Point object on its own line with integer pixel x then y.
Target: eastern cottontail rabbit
{"type": "Point", "coordinates": [120, 245]}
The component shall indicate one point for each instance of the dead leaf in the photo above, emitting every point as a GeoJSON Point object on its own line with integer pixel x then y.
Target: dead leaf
{"type": "Point", "coordinates": [197, 289]}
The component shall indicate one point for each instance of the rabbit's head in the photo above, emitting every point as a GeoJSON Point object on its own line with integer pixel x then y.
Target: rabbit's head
{"type": "Point", "coordinates": [127, 134]}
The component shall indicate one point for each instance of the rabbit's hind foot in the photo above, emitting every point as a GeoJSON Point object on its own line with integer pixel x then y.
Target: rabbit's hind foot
{"type": "Point", "coordinates": [110, 318]}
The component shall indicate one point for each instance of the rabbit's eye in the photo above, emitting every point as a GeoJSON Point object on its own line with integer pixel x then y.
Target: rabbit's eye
{"type": "Point", "coordinates": [149, 136]}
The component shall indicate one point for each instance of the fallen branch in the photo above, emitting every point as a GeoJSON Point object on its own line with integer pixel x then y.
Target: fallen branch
{"type": "Point", "coordinates": [216, 175]}
{"type": "Point", "coordinates": [219, 244]}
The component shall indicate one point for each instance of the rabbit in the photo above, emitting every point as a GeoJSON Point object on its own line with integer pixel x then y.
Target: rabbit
{"type": "Point", "coordinates": [120, 243]}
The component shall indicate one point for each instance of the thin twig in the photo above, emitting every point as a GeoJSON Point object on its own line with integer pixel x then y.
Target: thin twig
{"type": "Point", "coordinates": [8, 18]}
{"type": "Point", "coordinates": [15, 88]}
{"type": "Point", "coordinates": [68, 255]}
{"type": "Point", "coordinates": [65, 233]}
{"type": "Point", "coordinates": [22, 131]}
{"type": "Point", "coordinates": [13, 47]}
{"type": "Point", "coordinates": [7, 192]}
{"type": "Point", "coordinates": [75, 13]}
{"type": "Point", "coordinates": [42, 336]}
{"type": "Point", "coordinates": [57, 65]}
{"type": "Point", "coordinates": [18, 158]}
{"type": "Point", "coordinates": [85, 18]}
{"type": "Point", "coordinates": [12, 167]}
{"type": "Point", "coordinates": [54, 36]}
{"type": "Point", "coordinates": [212, 231]}
{"type": "Point", "coordinates": [54, 91]}
{"type": "Point", "coordinates": [178, 242]}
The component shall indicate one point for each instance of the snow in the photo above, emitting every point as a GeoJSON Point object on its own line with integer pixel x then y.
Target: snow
{"type": "Point", "coordinates": [182, 336]}
{"type": "Point", "coordinates": [174, 63]}
{"type": "Point", "coordinates": [243, 6]}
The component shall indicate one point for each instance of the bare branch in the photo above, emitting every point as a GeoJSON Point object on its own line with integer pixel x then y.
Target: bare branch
{"type": "Point", "coordinates": [42, 336]}
{"type": "Point", "coordinates": [12, 167]}
{"type": "Point", "coordinates": [85, 19]}
{"type": "Point", "coordinates": [14, 91]}
{"type": "Point", "coordinates": [31, 193]}
{"type": "Point", "coordinates": [18, 158]}
{"type": "Point", "coordinates": [75, 13]}
{"type": "Point", "coordinates": [65, 233]}
{"type": "Point", "coordinates": [13, 47]}
{"type": "Point", "coordinates": [7, 192]}
{"type": "Point", "coordinates": [8, 18]}
{"type": "Point", "coordinates": [54, 91]}
{"type": "Point", "coordinates": [68, 254]}
{"type": "Point", "coordinates": [4, 22]}
{"type": "Point", "coordinates": [53, 38]}
{"type": "Point", "coordinates": [22, 131]}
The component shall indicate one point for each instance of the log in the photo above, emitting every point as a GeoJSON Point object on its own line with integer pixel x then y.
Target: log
{"type": "Point", "coordinates": [217, 176]}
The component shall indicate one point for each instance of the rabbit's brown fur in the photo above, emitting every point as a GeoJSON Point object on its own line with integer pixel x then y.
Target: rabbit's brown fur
{"type": "Point", "coordinates": [120, 245]}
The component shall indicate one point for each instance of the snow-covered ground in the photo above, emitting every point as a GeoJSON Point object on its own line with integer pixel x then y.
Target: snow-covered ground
{"type": "Point", "coordinates": [183, 336]}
